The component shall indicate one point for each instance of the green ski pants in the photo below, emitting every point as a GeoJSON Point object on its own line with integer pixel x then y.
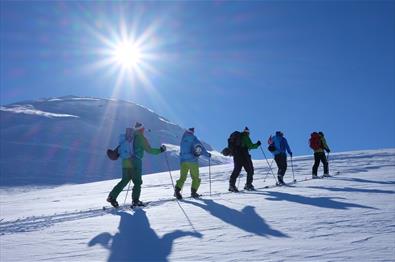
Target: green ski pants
{"type": "Point", "coordinates": [133, 173]}
{"type": "Point", "coordinates": [194, 169]}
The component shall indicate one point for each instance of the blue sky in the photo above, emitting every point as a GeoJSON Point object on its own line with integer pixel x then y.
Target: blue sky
{"type": "Point", "coordinates": [218, 66]}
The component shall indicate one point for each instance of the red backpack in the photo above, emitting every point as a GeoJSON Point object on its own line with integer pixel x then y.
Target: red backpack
{"type": "Point", "coordinates": [315, 141]}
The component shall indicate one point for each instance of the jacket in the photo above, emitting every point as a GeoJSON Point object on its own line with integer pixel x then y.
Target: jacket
{"type": "Point", "coordinates": [136, 149]}
{"type": "Point", "coordinates": [281, 145]}
{"type": "Point", "coordinates": [245, 146]}
{"type": "Point", "coordinates": [324, 145]}
{"type": "Point", "coordinates": [188, 142]}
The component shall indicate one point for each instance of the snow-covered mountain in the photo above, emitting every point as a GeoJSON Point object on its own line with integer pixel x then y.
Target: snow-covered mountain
{"type": "Point", "coordinates": [64, 140]}
{"type": "Point", "coordinates": [347, 217]}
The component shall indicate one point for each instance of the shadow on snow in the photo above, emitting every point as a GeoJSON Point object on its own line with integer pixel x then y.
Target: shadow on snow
{"type": "Point", "coordinates": [246, 219]}
{"type": "Point", "coordinates": [325, 202]}
{"type": "Point", "coordinates": [137, 241]}
{"type": "Point", "coordinates": [367, 181]}
{"type": "Point", "coordinates": [351, 189]}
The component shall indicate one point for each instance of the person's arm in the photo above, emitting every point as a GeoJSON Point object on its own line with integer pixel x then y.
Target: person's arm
{"type": "Point", "coordinates": [248, 143]}
{"type": "Point", "coordinates": [204, 150]}
{"type": "Point", "coordinates": [287, 147]}
{"type": "Point", "coordinates": [325, 145]}
{"type": "Point", "coordinates": [147, 147]}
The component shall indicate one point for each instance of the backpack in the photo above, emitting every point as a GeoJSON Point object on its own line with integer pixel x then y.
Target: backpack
{"type": "Point", "coordinates": [197, 150]}
{"type": "Point", "coordinates": [234, 142]}
{"type": "Point", "coordinates": [113, 154]}
{"type": "Point", "coordinates": [271, 146]}
{"type": "Point", "coordinates": [315, 141]}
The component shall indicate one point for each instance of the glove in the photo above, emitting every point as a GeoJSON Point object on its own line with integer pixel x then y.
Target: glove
{"type": "Point", "coordinates": [162, 148]}
{"type": "Point", "coordinates": [209, 155]}
{"type": "Point", "coordinates": [290, 153]}
{"type": "Point", "coordinates": [327, 150]}
{"type": "Point", "coordinates": [259, 143]}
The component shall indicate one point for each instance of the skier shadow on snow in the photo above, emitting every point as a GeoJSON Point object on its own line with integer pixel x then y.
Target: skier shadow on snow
{"type": "Point", "coordinates": [247, 219]}
{"type": "Point", "coordinates": [351, 189]}
{"type": "Point", "coordinates": [352, 179]}
{"type": "Point", "coordinates": [137, 241]}
{"type": "Point", "coordinates": [325, 202]}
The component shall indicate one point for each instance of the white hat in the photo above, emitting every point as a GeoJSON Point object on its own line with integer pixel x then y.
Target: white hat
{"type": "Point", "coordinates": [138, 126]}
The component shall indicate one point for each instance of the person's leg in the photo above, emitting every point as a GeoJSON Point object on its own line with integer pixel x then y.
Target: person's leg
{"type": "Point", "coordinates": [316, 163]}
{"type": "Point", "coordinates": [249, 168]}
{"type": "Point", "coordinates": [325, 163]}
{"type": "Point", "coordinates": [236, 171]}
{"type": "Point", "coordinates": [183, 175]}
{"type": "Point", "coordinates": [284, 164]}
{"type": "Point", "coordinates": [136, 179]}
{"type": "Point", "coordinates": [281, 161]}
{"type": "Point", "coordinates": [194, 167]}
{"type": "Point", "coordinates": [126, 176]}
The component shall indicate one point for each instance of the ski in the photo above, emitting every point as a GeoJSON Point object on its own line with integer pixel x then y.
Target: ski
{"type": "Point", "coordinates": [125, 207]}
{"type": "Point", "coordinates": [144, 205]}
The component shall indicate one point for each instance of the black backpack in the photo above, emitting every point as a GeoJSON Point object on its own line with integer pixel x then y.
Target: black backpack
{"type": "Point", "coordinates": [272, 146]}
{"type": "Point", "coordinates": [113, 154]}
{"type": "Point", "coordinates": [234, 142]}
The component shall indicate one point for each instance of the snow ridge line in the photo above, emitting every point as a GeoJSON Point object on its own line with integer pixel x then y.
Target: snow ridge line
{"type": "Point", "coordinates": [35, 223]}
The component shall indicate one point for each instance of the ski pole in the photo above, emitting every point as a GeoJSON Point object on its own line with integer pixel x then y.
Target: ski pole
{"type": "Point", "coordinates": [209, 172]}
{"type": "Point", "coordinates": [168, 167]}
{"type": "Point", "coordinates": [127, 192]}
{"type": "Point", "coordinates": [267, 161]}
{"type": "Point", "coordinates": [267, 173]}
{"type": "Point", "coordinates": [293, 173]}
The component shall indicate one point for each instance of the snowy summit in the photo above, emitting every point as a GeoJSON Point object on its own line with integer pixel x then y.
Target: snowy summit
{"type": "Point", "coordinates": [64, 140]}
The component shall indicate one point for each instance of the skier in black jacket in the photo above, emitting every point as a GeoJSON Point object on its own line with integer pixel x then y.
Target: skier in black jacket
{"type": "Point", "coordinates": [242, 158]}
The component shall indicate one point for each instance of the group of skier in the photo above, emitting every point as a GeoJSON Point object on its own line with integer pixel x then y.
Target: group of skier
{"type": "Point", "coordinates": [133, 143]}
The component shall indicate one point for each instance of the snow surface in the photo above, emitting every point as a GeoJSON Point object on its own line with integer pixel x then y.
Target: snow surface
{"type": "Point", "coordinates": [348, 217]}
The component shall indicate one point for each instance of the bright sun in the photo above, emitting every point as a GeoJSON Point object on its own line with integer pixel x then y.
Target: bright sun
{"type": "Point", "coordinates": [127, 54]}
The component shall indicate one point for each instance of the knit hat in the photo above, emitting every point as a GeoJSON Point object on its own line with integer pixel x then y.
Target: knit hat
{"type": "Point", "coordinates": [138, 126]}
{"type": "Point", "coordinates": [191, 130]}
{"type": "Point", "coordinates": [279, 133]}
{"type": "Point", "coordinates": [246, 130]}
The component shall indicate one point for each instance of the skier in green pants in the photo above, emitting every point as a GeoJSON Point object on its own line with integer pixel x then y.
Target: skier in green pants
{"type": "Point", "coordinates": [190, 150]}
{"type": "Point", "coordinates": [131, 150]}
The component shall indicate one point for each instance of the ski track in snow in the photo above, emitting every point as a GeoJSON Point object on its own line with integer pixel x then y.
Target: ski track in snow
{"type": "Point", "coordinates": [348, 217]}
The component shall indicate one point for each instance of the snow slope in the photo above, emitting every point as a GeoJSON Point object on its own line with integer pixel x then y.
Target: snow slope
{"type": "Point", "coordinates": [348, 217]}
{"type": "Point", "coordinates": [64, 140]}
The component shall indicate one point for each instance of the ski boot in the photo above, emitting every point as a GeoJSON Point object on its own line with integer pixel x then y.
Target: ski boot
{"type": "Point", "coordinates": [314, 176]}
{"type": "Point", "coordinates": [233, 188]}
{"type": "Point", "coordinates": [326, 175]}
{"type": "Point", "coordinates": [249, 187]}
{"type": "Point", "coordinates": [177, 193]}
{"type": "Point", "coordinates": [112, 201]}
{"type": "Point", "coordinates": [280, 181]}
{"type": "Point", "coordinates": [137, 203]}
{"type": "Point", "coordinates": [194, 193]}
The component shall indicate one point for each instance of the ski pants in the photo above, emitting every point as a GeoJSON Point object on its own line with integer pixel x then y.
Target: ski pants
{"type": "Point", "coordinates": [320, 157]}
{"type": "Point", "coordinates": [193, 168]}
{"type": "Point", "coordinates": [239, 163]}
{"type": "Point", "coordinates": [132, 172]}
{"type": "Point", "coordinates": [281, 161]}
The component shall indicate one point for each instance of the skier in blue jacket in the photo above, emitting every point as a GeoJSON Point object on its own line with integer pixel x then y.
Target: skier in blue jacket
{"type": "Point", "coordinates": [190, 150]}
{"type": "Point", "coordinates": [280, 156]}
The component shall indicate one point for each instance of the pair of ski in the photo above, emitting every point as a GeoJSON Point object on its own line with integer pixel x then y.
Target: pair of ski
{"type": "Point", "coordinates": [127, 207]}
{"type": "Point", "coordinates": [148, 204]}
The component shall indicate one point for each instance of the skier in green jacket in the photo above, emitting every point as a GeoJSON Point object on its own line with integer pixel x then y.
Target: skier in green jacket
{"type": "Point", "coordinates": [131, 150]}
{"type": "Point", "coordinates": [242, 158]}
